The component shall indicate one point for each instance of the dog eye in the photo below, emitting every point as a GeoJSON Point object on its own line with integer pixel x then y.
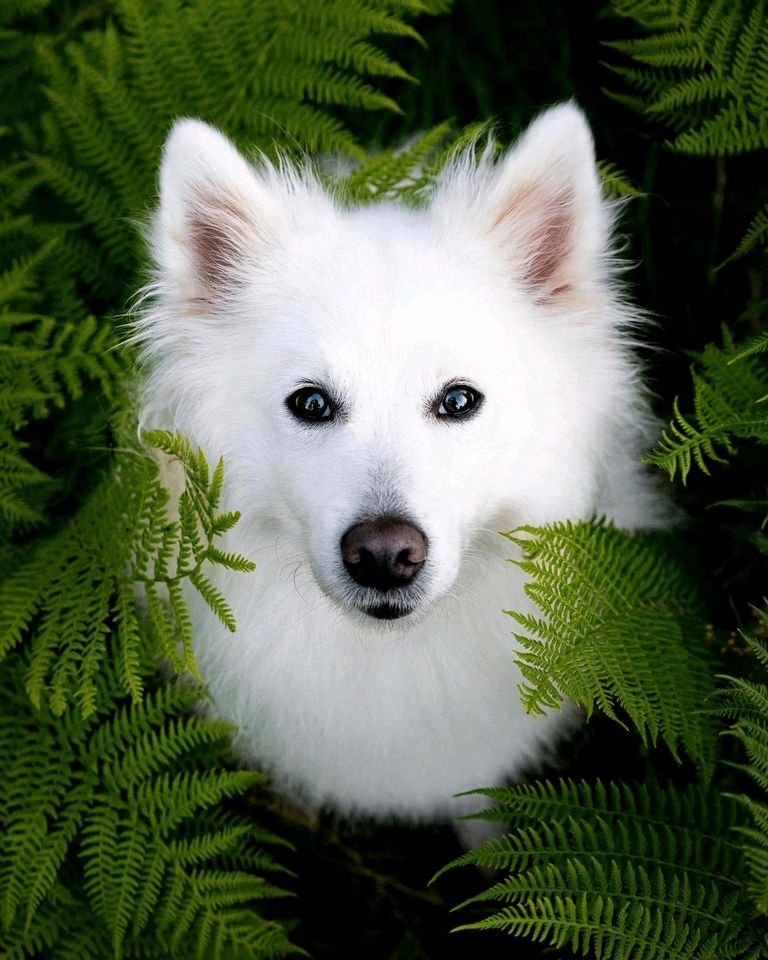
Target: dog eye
{"type": "Point", "coordinates": [311, 405]}
{"type": "Point", "coordinates": [458, 401]}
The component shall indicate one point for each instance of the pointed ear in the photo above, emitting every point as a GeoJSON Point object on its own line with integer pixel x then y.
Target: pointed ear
{"type": "Point", "coordinates": [541, 206]}
{"type": "Point", "coordinates": [217, 213]}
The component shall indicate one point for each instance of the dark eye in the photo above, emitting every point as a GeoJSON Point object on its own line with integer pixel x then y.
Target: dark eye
{"type": "Point", "coordinates": [457, 401]}
{"type": "Point", "coordinates": [311, 405]}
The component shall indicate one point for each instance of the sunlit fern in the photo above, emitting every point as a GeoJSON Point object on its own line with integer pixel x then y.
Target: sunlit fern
{"type": "Point", "coordinates": [66, 595]}
{"type": "Point", "coordinates": [265, 73]}
{"type": "Point", "coordinates": [618, 629]}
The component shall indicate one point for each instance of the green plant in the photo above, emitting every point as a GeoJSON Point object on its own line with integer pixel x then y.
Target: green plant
{"type": "Point", "coordinates": [65, 596]}
{"type": "Point", "coordinates": [612, 606]}
{"type": "Point", "coordinates": [43, 364]}
{"type": "Point", "coordinates": [618, 869]}
{"type": "Point", "coordinates": [116, 800]}
{"type": "Point", "coordinates": [746, 702]}
{"type": "Point", "coordinates": [729, 402]}
{"type": "Point", "coordinates": [116, 842]}
{"type": "Point", "coordinates": [702, 69]}
{"type": "Point", "coordinates": [265, 73]}
{"type": "Point", "coordinates": [622, 870]}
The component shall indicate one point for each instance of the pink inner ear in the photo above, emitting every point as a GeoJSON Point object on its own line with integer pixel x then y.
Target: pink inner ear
{"type": "Point", "coordinates": [551, 244]}
{"type": "Point", "coordinates": [539, 223]}
{"type": "Point", "coordinates": [218, 228]}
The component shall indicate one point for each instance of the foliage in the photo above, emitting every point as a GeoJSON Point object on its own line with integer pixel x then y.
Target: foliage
{"type": "Point", "coordinates": [756, 235]}
{"type": "Point", "coordinates": [114, 804]}
{"type": "Point", "coordinates": [615, 181]}
{"type": "Point", "coordinates": [746, 702]}
{"type": "Point", "coordinates": [626, 871]}
{"type": "Point", "coordinates": [703, 69]}
{"type": "Point", "coordinates": [63, 596]}
{"type": "Point", "coordinates": [611, 607]}
{"type": "Point", "coordinates": [43, 364]}
{"type": "Point", "coordinates": [115, 839]}
{"type": "Point", "coordinates": [263, 72]}
{"type": "Point", "coordinates": [729, 402]}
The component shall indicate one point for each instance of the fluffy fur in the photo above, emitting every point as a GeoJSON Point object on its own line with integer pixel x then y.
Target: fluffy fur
{"type": "Point", "coordinates": [503, 281]}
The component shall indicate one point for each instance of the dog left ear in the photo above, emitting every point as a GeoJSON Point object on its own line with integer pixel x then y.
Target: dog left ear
{"type": "Point", "coordinates": [541, 205]}
{"type": "Point", "coordinates": [218, 214]}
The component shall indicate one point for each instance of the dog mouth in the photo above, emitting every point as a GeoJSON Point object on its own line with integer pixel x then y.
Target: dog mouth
{"type": "Point", "coordinates": [366, 604]}
{"type": "Point", "coordinates": [383, 606]}
{"type": "Point", "coordinates": [387, 611]}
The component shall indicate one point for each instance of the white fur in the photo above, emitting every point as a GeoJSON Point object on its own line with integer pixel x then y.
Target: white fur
{"type": "Point", "coordinates": [386, 304]}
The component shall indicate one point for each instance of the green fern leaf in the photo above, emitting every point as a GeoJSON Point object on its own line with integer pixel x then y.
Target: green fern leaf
{"type": "Point", "coordinates": [44, 364]}
{"type": "Point", "coordinates": [618, 627]}
{"type": "Point", "coordinates": [111, 803]}
{"type": "Point", "coordinates": [756, 235]}
{"type": "Point", "coordinates": [620, 871]}
{"type": "Point", "coordinates": [66, 593]}
{"type": "Point", "coordinates": [728, 405]}
{"type": "Point", "coordinates": [746, 702]}
{"type": "Point", "coordinates": [263, 73]}
{"type": "Point", "coordinates": [704, 71]}
{"type": "Point", "coordinates": [615, 182]}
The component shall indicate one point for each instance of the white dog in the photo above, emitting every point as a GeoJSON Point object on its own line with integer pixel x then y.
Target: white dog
{"type": "Point", "coordinates": [389, 388]}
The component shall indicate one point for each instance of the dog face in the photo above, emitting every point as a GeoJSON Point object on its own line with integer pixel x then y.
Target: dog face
{"type": "Point", "coordinates": [384, 382]}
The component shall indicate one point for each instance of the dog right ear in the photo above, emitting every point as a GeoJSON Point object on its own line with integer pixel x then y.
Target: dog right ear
{"type": "Point", "coordinates": [540, 208]}
{"type": "Point", "coordinates": [218, 213]}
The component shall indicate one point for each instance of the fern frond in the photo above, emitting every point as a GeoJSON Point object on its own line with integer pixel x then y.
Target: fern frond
{"type": "Point", "coordinates": [728, 406]}
{"type": "Point", "coordinates": [746, 702]}
{"type": "Point", "coordinates": [44, 364]}
{"type": "Point", "coordinates": [82, 801]}
{"type": "Point", "coordinates": [703, 70]}
{"type": "Point", "coordinates": [69, 589]}
{"type": "Point", "coordinates": [263, 73]}
{"type": "Point", "coordinates": [758, 345]}
{"type": "Point", "coordinates": [617, 627]}
{"type": "Point", "coordinates": [616, 183]}
{"type": "Point", "coordinates": [625, 871]}
{"type": "Point", "coordinates": [404, 172]}
{"type": "Point", "coordinates": [756, 235]}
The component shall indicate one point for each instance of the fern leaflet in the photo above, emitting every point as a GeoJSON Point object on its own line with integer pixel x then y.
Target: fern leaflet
{"type": "Point", "coordinates": [746, 702]}
{"type": "Point", "coordinates": [626, 871]}
{"type": "Point", "coordinates": [75, 584]}
{"type": "Point", "coordinates": [728, 405]}
{"type": "Point", "coordinates": [617, 626]}
{"type": "Point", "coordinates": [124, 807]}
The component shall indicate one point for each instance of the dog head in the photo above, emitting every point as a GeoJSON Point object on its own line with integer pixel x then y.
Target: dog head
{"type": "Point", "coordinates": [385, 382]}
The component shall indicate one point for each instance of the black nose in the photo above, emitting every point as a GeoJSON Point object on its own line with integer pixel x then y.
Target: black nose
{"type": "Point", "coordinates": [383, 553]}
